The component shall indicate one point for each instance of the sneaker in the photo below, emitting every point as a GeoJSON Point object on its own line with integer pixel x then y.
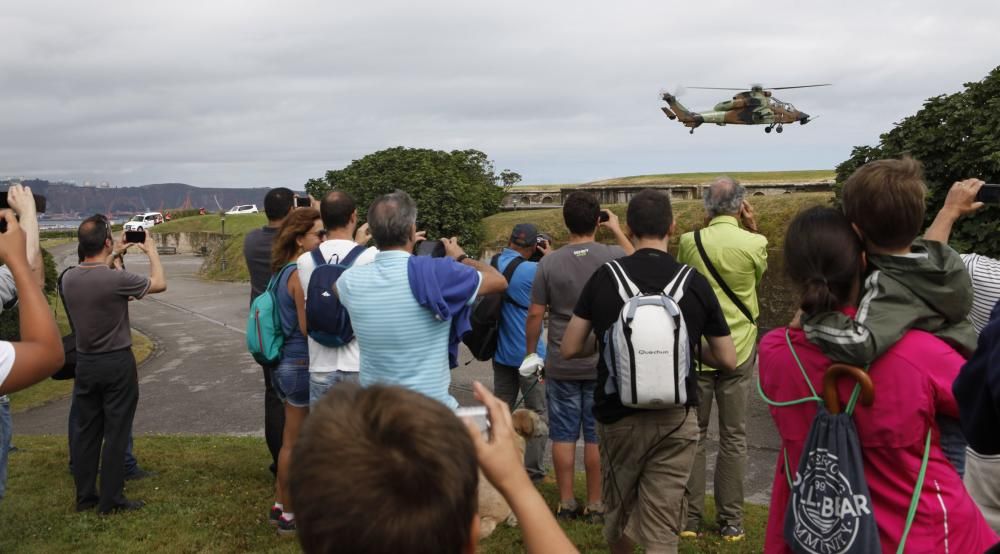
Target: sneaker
{"type": "Point", "coordinates": [565, 513]}
{"type": "Point", "coordinates": [274, 515]}
{"type": "Point", "coordinates": [286, 528]}
{"type": "Point", "coordinates": [690, 534]}
{"type": "Point", "coordinates": [128, 506]}
{"type": "Point", "coordinates": [732, 533]}
{"type": "Point", "coordinates": [594, 514]}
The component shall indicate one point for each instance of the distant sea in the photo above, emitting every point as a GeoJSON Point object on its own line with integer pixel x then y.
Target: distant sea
{"type": "Point", "coordinates": [54, 224]}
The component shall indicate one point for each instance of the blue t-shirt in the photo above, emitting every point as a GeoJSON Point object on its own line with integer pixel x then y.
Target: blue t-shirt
{"type": "Point", "coordinates": [510, 345]}
{"type": "Point", "coordinates": [402, 343]}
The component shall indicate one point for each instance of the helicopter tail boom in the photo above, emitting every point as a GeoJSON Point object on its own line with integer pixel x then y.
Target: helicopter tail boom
{"type": "Point", "coordinates": [682, 114]}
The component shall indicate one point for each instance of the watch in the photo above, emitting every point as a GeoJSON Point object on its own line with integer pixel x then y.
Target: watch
{"type": "Point", "coordinates": [461, 258]}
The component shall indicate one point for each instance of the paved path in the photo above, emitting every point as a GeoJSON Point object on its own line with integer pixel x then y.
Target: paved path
{"type": "Point", "coordinates": [201, 380]}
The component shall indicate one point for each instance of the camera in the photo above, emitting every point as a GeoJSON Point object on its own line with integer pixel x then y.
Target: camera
{"type": "Point", "coordinates": [479, 416]}
{"type": "Point", "coordinates": [39, 202]}
{"type": "Point", "coordinates": [39, 207]}
{"type": "Point", "coordinates": [432, 248]}
{"type": "Point", "coordinates": [136, 237]}
{"type": "Point", "coordinates": [989, 194]}
{"type": "Point", "coordinates": [542, 240]}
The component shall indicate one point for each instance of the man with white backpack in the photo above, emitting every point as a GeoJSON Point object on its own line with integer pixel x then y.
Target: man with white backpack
{"type": "Point", "coordinates": [649, 314]}
{"type": "Point", "coordinates": [332, 359]}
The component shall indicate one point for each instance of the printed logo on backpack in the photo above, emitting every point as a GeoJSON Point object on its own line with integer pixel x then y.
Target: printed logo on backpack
{"type": "Point", "coordinates": [648, 353]}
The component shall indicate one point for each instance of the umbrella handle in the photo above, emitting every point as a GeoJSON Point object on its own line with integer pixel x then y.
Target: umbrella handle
{"type": "Point", "coordinates": [834, 372]}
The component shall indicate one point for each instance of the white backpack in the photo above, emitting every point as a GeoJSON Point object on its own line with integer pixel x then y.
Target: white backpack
{"type": "Point", "coordinates": [647, 351]}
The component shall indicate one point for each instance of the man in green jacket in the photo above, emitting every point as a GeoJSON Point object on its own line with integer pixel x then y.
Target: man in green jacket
{"type": "Point", "coordinates": [733, 259]}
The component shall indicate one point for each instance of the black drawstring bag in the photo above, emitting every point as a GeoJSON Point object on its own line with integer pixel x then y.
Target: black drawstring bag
{"type": "Point", "coordinates": [830, 509]}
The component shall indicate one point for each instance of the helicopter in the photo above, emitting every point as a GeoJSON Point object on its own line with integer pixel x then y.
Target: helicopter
{"type": "Point", "coordinates": [756, 106]}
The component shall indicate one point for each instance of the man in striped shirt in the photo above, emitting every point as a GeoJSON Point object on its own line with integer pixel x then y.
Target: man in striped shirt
{"type": "Point", "coordinates": [403, 342]}
{"type": "Point", "coordinates": [984, 271]}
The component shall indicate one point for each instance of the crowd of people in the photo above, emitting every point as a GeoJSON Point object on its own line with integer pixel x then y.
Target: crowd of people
{"type": "Point", "coordinates": [369, 454]}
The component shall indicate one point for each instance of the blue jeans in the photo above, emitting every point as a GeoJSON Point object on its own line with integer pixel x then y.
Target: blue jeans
{"type": "Point", "coordinates": [6, 430]}
{"type": "Point", "coordinates": [571, 408]}
{"type": "Point", "coordinates": [131, 464]}
{"type": "Point", "coordinates": [291, 382]}
{"type": "Point", "coordinates": [319, 383]}
{"type": "Point", "coordinates": [952, 442]}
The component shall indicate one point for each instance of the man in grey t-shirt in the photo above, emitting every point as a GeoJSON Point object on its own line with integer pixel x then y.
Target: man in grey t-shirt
{"type": "Point", "coordinates": [570, 384]}
{"type": "Point", "coordinates": [106, 389]}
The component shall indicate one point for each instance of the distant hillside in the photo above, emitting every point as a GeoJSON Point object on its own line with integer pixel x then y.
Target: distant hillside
{"type": "Point", "coordinates": [73, 200]}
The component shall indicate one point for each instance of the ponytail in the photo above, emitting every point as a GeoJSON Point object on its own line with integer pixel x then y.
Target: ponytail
{"type": "Point", "coordinates": [822, 259]}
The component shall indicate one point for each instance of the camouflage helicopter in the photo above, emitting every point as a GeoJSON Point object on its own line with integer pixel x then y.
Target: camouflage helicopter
{"type": "Point", "coordinates": [756, 106]}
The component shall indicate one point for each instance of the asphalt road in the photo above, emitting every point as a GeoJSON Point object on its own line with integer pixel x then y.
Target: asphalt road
{"type": "Point", "coordinates": [201, 380]}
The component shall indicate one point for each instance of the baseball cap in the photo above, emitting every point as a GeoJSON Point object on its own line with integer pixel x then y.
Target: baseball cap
{"type": "Point", "coordinates": [524, 234]}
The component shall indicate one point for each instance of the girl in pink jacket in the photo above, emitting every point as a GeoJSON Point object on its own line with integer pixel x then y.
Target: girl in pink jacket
{"type": "Point", "coordinates": [912, 383]}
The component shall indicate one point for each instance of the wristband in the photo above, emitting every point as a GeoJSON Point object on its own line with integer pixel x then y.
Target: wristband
{"type": "Point", "coordinates": [461, 258]}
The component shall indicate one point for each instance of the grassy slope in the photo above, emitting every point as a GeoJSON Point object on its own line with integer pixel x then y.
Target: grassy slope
{"type": "Point", "coordinates": [747, 177]}
{"type": "Point", "coordinates": [774, 213]}
{"type": "Point", "coordinates": [237, 226]}
{"type": "Point", "coordinates": [211, 495]}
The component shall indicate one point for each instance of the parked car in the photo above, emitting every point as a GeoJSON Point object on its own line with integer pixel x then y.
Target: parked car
{"type": "Point", "coordinates": [243, 209]}
{"type": "Point", "coordinates": [144, 221]}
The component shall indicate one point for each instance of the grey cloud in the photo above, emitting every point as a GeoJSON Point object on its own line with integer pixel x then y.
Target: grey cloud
{"type": "Point", "coordinates": [266, 93]}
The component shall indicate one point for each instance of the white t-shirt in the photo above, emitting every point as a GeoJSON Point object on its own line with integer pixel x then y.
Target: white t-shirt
{"type": "Point", "coordinates": [6, 360]}
{"type": "Point", "coordinates": [323, 359]}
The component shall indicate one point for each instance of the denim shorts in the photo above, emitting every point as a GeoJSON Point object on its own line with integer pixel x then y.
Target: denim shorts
{"type": "Point", "coordinates": [320, 382]}
{"type": "Point", "coordinates": [291, 382]}
{"type": "Point", "coordinates": [571, 407]}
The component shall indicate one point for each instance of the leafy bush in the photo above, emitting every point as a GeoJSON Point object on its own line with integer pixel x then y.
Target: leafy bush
{"type": "Point", "coordinates": [956, 136]}
{"type": "Point", "coordinates": [453, 190]}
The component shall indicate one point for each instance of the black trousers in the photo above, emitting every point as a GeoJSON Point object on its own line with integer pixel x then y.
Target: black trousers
{"type": "Point", "coordinates": [106, 392]}
{"type": "Point", "coordinates": [274, 417]}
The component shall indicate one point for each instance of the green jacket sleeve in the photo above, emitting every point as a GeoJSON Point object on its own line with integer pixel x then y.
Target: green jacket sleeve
{"type": "Point", "coordinates": [886, 312]}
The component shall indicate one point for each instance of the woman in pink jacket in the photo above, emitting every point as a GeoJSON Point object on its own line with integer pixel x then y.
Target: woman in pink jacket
{"type": "Point", "coordinates": [912, 383]}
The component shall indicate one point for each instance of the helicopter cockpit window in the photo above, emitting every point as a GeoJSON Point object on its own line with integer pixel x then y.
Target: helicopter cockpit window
{"type": "Point", "coordinates": [775, 103]}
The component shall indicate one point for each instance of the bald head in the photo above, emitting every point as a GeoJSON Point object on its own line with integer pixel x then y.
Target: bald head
{"type": "Point", "coordinates": [724, 197]}
{"type": "Point", "coordinates": [337, 210]}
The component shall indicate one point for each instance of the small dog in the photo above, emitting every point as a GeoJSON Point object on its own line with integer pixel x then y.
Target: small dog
{"type": "Point", "coordinates": [493, 509]}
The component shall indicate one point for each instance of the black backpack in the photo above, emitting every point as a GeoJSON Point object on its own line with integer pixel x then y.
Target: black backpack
{"type": "Point", "coordinates": [485, 318]}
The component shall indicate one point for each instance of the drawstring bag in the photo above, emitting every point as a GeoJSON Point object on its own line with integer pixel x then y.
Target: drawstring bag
{"type": "Point", "coordinates": [829, 507]}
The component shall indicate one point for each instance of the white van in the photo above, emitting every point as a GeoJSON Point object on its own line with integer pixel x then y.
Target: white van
{"type": "Point", "coordinates": [144, 221]}
{"type": "Point", "coordinates": [243, 209]}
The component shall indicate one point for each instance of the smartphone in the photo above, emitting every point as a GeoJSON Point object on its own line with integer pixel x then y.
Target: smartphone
{"type": "Point", "coordinates": [989, 194]}
{"type": "Point", "coordinates": [302, 201]}
{"type": "Point", "coordinates": [137, 237]}
{"type": "Point", "coordinates": [604, 216]}
{"type": "Point", "coordinates": [478, 415]}
{"type": "Point", "coordinates": [39, 203]}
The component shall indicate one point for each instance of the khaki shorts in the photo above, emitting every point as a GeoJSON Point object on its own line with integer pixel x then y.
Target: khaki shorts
{"type": "Point", "coordinates": [645, 462]}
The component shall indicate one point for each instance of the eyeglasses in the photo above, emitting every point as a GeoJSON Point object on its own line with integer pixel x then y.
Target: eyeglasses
{"type": "Point", "coordinates": [321, 234]}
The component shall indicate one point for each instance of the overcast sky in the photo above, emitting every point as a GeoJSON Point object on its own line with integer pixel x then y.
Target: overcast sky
{"type": "Point", "coordinates": [253, 93]}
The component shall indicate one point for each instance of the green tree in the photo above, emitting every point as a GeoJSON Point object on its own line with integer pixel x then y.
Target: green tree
{"type": "Point", "coordinates": [955, 136]}
{"type": "Point", "coordinates": [453, 190]}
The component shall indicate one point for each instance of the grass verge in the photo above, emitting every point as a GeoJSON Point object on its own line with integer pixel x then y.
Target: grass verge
{"type": "Point", "coordinates": [211, 494]}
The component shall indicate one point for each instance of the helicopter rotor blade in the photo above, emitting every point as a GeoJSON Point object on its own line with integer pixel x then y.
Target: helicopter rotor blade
{"type": "Point", "coordinates": [801, 86]}
{"type": "Point", "coordinates": [718, 88]}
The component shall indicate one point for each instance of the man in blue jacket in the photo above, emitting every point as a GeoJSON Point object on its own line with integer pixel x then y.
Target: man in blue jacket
{"type": "Point", "coordinates": [511, 342]}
